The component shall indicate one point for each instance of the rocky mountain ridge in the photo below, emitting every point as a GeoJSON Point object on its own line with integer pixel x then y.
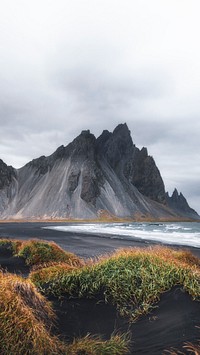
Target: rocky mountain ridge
{"type": "Point", "coordinates": [89, 177]}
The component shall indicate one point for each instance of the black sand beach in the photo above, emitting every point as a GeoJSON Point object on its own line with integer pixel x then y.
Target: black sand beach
{"type": "Point", "coordinates": [173, 322]}
{"type": "Point", "coordinates": [83, 245]}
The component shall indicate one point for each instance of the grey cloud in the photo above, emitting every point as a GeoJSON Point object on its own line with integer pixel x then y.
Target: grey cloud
{"type": "Point", "coordinates": [52, 87]}
{"type": "Point", "coordinates": [103, 90]}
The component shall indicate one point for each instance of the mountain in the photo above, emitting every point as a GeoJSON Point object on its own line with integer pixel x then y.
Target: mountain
{"type": "Point", "coordinates": [89, 178]}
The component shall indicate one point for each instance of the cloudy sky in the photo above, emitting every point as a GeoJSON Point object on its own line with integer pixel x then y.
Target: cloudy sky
{"type": "Point", "coordinates": [71, 65]}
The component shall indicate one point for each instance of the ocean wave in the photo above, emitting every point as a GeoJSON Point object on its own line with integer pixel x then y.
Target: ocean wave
{"type": "Point", "coordinates": [187, 234]}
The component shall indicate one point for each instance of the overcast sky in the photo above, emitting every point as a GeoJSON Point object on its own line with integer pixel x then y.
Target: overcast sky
{"type": "Point", "coordinates": [68, 65]}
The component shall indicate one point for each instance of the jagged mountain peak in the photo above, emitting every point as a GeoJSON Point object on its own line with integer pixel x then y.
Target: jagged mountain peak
{"type": "Point", "coordinates": [115, 147]}
{"type": "Point", "coordinates": [82, 146]}
{"type": "Point", "coordinates": [7, 173]}
{"type": "Point", "coordinates": [144, 153]}
{"type": "Point", "coordinates": [88, 176]}
{"type": "Point", "coordinates": [85, 132]}
{"type": "Point", "coordinates": [121, 129]}
{"type": "Point", "coordinates": [122, 134]}
{"type": "Point", "coordinates": [178, 202]}
{"type": "Point", "coordinates": [4, 165]}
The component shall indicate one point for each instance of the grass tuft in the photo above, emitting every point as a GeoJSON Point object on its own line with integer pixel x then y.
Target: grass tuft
{"type": "Point", "coordinates": [25, 319]}
{"type": "Point", "coordinates": [131, 279]}
{"type": "Point", "coordinates": [40, 252]}
{"type": "Point", "coordinates": [117, 345]}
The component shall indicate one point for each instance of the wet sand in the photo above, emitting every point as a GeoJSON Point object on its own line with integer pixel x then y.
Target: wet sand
{"type": "Point", "coordinates": [84, 245]}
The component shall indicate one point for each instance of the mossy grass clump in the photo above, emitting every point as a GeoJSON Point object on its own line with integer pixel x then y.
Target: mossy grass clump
{"type": "Point", "coordinates": [116, 345]}
{"type": "Point", "coordinates": [131, 279]}
{"type": "Point", "coordinates": [25, 319]}
{"type": "Point", "coordinates": [41, 252]}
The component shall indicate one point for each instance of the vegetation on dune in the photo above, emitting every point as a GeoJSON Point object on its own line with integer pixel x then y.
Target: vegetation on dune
{"type": "Point", "coordinates": [117, 345]}
{"type": "Point", "coordinates": [25, 319]}
{"type": "Point", "coordinates": [10, 245]}
{"type": "Point", "coordinates": [37, 252]}
{"type": "Point", "coordinates": [53, 270]}
{"type": "Point", "coordinates": [131, 279]}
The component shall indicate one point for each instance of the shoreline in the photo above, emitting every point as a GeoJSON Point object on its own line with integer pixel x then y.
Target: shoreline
{"type": "Point", "coordinates": [83, 244]}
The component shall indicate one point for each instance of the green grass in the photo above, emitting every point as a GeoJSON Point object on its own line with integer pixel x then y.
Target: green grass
{"type": "Point", "coordinates": [36, 252]}
{"type": "Point", "coordinates": [26, 318]}
{"type": "Point", "coordinates": [116, 345]}
{"type": "Point", "coordinates": [132, 280]}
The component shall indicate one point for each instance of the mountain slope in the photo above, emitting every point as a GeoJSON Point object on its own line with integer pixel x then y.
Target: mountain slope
{"type": "Point", "coordinates": [89, 177]}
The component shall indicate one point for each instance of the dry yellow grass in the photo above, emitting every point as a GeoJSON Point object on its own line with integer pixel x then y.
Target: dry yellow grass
{"type": "Point", "coordinates": [177, 256]}
{"type": "Point", "coordinates": [36, 252]}
{"type": "Point", "coordinates": [132, 279]}
{"type": "Point", "coordinates": [25, 319]}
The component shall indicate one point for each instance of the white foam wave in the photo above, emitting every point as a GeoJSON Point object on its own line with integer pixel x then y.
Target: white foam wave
{"type": "Point", "coordinates": [176, 234]}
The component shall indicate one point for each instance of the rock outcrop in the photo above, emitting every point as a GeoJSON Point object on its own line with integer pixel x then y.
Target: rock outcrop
{"type": "Point", "coordinates": [178, 203]}
{"type": "Point", "coordinates": [90, 177]}
{"type": "Point", "coordinates": [8, 186]}
{"type": "Point", "coordinates": [7, 173]}
{"type": "Point", "coordinates": [131, 163]}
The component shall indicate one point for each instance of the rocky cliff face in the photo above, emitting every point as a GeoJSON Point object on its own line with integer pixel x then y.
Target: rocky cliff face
{"type": "Point", "coordinates": [130, 163]}
{"type": "Point", "coordinates": [178, 203]}
{"type": "Point", "coordinates": [88, 177]}
{"type": "Point", "coordinates": [8, 185]}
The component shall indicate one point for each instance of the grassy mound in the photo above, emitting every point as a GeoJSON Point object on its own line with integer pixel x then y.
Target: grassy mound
{"type": "Point", "coordinates": [131, 279]}
{"type": "Point", "coordinates": [37, 252]}
{"type": "Point", "coordinates": [25, 319]}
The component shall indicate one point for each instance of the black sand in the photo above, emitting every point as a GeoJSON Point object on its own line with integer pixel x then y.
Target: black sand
{"type": "Point", "coordinates": [170, 324]}
{"type": "Point", "coordinates": [173, 322]}
{"type": "Point", "coordinates": [84, 245]}
{"type": "Point", "coordinates": [12, 264]}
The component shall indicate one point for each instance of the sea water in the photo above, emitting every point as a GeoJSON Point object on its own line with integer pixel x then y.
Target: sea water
{"type": "Point", "coordinates": [176, 233]}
